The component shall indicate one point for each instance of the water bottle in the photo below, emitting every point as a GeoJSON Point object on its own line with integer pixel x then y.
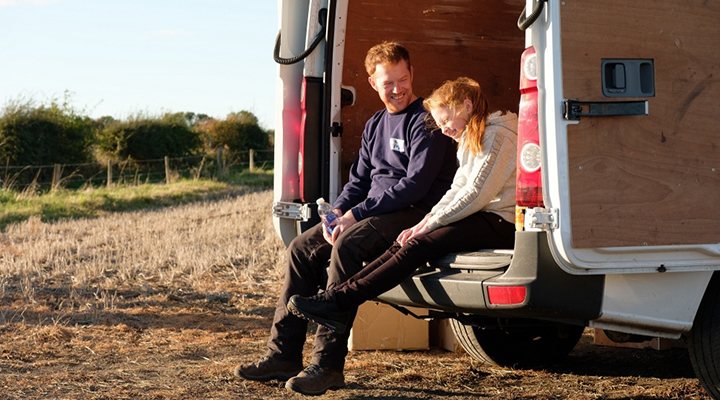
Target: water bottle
{"type": "Point", "coordinates": [327, 215]}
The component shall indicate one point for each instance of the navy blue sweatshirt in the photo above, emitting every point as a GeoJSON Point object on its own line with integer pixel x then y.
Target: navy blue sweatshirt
{"type": "Point", "coordinates": [401, 163]}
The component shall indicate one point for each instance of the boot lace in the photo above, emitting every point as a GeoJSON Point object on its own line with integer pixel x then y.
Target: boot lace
{"type": "Point", "coordinates": [323, 296]}
{"type": "Point", "coordinates": [313, 370]}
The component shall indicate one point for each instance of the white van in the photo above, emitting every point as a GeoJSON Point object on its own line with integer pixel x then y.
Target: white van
{"type": "Point", "coordinates": [618, 161]}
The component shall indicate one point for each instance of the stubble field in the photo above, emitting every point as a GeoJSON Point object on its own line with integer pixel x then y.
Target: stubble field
{"type": "Point", "coordinates": [162, 304]}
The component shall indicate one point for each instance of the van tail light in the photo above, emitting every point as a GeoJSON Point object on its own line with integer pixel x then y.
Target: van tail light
{"type": "Point", "coordinates": [528, 182]}
{"type": "Point", "coordinates": [301, 147]}
{"type": "Point", "coordinates": [506, 295]}
{"type": "Point", "coordinates": [310, 133]}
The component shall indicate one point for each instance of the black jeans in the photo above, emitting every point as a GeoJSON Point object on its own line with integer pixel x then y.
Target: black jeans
{"type": "Point", "coordinates": [308, 256]}
{"type": "Point", "coordinates": [481, 230]}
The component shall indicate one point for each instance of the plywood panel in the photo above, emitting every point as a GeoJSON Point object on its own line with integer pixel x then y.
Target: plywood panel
{"type": "Point", "coordinates": [651, 180]}
{"type": "Point", "coordinates": [446, 39]}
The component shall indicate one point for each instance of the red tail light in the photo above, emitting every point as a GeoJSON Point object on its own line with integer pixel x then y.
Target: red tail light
{"type": "Point", "coordinates": [310, 138]}
{"type": "Point", "coordinates": [506, 294]}
{"type": "Point", "coordinates": [301, 148]}
{"type": "Point", "coordinates": [529, 183]}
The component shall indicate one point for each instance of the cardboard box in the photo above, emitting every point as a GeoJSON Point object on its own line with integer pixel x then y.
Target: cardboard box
{"type": "Point", "coordinates": [380, 327]}
{"type": "Point", "coordinates": [443, 337]}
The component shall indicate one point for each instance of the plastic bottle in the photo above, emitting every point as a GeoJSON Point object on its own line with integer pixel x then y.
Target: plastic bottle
{"type": "Point", "coordinates": [326, 214]}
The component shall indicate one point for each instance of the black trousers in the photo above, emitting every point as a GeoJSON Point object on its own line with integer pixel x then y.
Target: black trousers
{"type": "Point", "coordinates": [308, 256]}
{"type": "Point", "coordinates": [478, 231]}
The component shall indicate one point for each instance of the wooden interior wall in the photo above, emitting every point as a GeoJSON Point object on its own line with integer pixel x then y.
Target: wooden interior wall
{"type": "Point", "coordinates": [651, 180]}
{"type": "Point", "coordinates": [446, 39]}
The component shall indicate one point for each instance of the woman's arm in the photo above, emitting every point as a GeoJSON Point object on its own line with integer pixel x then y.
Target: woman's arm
{"type": "Point", "coordinates": [489, 173]}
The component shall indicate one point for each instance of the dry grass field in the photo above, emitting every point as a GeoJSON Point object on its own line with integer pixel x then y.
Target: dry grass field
{"type": "Point", "coordinates": [161, 304]}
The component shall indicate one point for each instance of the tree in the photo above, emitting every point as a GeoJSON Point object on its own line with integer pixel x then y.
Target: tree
{"type": "Point", "coordinates": [238, 132]}
{"type": "Point", "coordinates": [243, 116]}
{"type": "Point", "coordinates": [189, 118]}
{"type": "Point", "coordinates": [145, 138]}
{"type": "Point", "coordinates": [43, 135]}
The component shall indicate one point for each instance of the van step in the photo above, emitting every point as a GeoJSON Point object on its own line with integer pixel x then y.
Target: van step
{"type": "Point", "coordinates": [442, 290]}
{"type": "Point", "coordinates": [476, 260]}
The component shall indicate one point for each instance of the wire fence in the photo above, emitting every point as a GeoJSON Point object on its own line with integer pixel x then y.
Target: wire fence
{"type": "Point", "coordinates": [131, 172]}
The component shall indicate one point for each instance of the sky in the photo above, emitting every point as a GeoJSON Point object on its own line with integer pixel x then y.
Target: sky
{"type": "Point", "coordinates": [124, 57]}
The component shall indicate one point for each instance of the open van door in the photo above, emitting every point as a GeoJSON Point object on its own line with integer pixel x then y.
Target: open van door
{"type": "Point", "coordinates": [307, 138]}
{"type": "Point", "coordinates": [629, 96]}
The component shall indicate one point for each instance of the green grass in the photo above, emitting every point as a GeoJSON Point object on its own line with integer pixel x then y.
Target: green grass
{"type": "Point", "coordinates": [259, 178]}
{"type": "Point", "coordinates": [92, 202]}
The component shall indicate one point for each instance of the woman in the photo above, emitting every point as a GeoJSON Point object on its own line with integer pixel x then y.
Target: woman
{"type": "Point", "coordinates": [476, 212]}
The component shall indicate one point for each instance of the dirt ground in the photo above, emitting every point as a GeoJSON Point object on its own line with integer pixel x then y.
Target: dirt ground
{"type": "Point", "coordinates": [72, 327]}
{"type": "Point", "coordinates": [184, 346]}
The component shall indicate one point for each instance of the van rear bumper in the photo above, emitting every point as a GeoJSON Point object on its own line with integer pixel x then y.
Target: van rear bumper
{"type": "Point", "coordinates": [550, 291]}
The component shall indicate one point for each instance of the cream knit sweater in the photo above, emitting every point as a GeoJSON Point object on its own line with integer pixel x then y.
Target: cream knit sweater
{"type": "Point", "coordinates": [485, 181]}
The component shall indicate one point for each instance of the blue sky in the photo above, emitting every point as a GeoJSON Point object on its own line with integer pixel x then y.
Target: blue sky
{"type": "Point", "coordinates": [121, 57]}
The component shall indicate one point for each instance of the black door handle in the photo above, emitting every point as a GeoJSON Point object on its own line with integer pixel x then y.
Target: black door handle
{"type": "Point", "coordinates": [574, 109]}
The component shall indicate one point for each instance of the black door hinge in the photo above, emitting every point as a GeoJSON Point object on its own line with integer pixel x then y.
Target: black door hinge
{"type": "Point", "coordinates": [336, 129]}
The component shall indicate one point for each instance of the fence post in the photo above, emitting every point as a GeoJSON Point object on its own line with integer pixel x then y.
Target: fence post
{"type": "Point", "coordinates": [197, 175]}
{"type": "Point", "coordinates": [167, 170]}
{"type": "Point", "coordinates": [252, 160]}
{"type": "Point", "coordinates": [56, 175]}
{"type": "Point", "coordinates": [220, 166]}
{"type": "Point", "coordinates": [109, 174]}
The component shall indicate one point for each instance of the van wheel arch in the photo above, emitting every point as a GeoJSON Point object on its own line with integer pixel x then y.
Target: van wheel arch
{"type": "Point", "coordinates": [517, 344]}
{"type": "Point", "coordinates": [704, 339]}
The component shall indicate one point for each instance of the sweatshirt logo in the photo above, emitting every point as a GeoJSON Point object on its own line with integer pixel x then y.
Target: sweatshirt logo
{"type": "Point", "coordinates": [397, 145]}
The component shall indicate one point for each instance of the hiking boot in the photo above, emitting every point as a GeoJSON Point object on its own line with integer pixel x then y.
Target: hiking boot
{"type": "Point", "coordinates": [315, 380]}
{"type": "Point", "coordinates": [268, 368]}
{"type": "Point", "coordinates": [322, 309]}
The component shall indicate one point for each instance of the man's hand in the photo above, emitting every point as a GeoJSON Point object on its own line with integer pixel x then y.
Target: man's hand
{"type": "Point", "coordinates": [416, 230]}
{"type": "Point", "coordinates": [343, 223]}
{"type": "Point", "coordinates": [327, 235]}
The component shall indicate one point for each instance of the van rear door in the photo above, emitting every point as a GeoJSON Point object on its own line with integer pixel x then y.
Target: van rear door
{"type": "Point", "coordinates": [629, 95]}
{"type": "Point", "coordinates": [306, 139]}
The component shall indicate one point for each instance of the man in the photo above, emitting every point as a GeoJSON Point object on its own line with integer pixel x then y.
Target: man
{"type": "Point", "coordinates": [402, 170]}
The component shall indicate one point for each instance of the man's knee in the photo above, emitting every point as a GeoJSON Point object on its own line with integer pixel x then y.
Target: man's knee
{"type": "Point", "coordinates": [306, 243]}
{"type": "Point", "coordinates": [296, 245]}
{"type": "Point", "coordinates": [353, 238]}
{"type": "Point", "coordinates": [342, 242]}
{"type": "Point", "coordinates": [342, 251]}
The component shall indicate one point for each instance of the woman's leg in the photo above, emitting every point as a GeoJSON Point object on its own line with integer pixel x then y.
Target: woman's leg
{"type": "Point", "coordinates": [377, 263]}
{"type": "Point", "coordinates": [480, 230]}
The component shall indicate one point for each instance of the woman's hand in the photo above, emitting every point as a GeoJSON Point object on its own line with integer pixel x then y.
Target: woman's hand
{"type": "Point", "coordinates": [409, 233]}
